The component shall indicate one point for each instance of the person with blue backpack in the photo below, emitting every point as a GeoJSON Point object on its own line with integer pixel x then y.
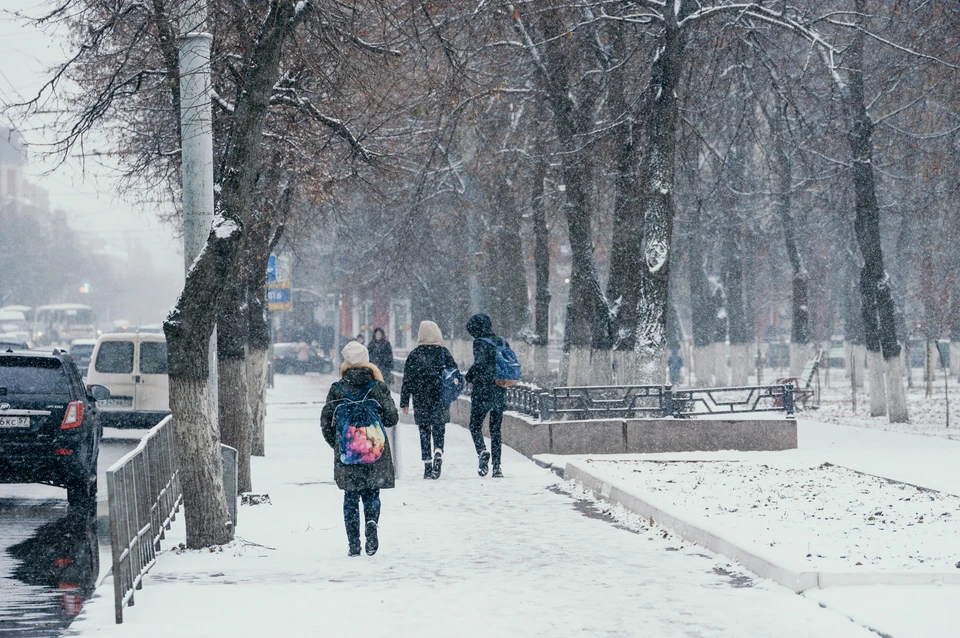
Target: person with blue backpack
{"type": "Point", "coordinates": [494, 368]}
{"type": "Point", "coordinates": [428, 374]}
{"type": "Point", "coordinates": [353, 421]}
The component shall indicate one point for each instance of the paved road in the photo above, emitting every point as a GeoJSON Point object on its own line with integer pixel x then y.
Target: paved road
{"type": "Point", "coordinates": [50, 555]}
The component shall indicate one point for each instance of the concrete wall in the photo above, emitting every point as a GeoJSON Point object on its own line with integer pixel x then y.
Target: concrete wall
{"type": "Point", "coordinates": [618, 436]}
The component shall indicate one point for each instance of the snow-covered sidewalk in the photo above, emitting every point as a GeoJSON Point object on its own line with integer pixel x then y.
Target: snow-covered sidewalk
{"type": "Point", "coordinates": [462, 556]}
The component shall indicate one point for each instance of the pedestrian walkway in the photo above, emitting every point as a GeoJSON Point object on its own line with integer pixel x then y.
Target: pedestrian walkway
{"type": "Point", "coordinates": [461, 556]}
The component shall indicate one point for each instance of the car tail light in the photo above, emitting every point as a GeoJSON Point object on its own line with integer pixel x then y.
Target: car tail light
{"type": "Point", "coordinates": [73, 416]}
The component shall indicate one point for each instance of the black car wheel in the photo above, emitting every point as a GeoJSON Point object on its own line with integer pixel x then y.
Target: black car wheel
{"type": "Point", "coordinates": [82, 492]}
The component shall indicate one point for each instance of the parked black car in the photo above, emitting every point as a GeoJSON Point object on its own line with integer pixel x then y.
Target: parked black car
{"type": "Point", "coordinates": [49, 427]}
{"type": "Point", "coordinates": [285, 360]}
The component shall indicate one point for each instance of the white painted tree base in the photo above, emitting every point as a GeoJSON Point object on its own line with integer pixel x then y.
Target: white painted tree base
{"type": "Point", "coordinates": [703, 366]}
{"type": "Point", "coordinates": [741, 362]}
{"type": "Point", "coordinates": [800, 354]}
{"type": "Point", "coordinates": [257, 398]}
{"type": "Point", "coordinates": [878, 395]}
{"type": "Point", "coordinates": [579, 370]}
{"type": "Point", "coordinates": [601, 367]}
{"type": "Point", "coordinates": [896, 396]}
{"type": "Point", "coordinates": [201, 468]}
{"type": "Point", "coordinates": [955, 359]}
{"type": "Point", "coordinates": [720, 372]}
{"type": "Point", "coordinates": [541, 362]}
{"type": "Point", "coordinates": [859, 357]}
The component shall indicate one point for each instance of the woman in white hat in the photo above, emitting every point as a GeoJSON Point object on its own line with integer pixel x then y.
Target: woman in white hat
{"type": "Point", "coordinates": [356, 408]}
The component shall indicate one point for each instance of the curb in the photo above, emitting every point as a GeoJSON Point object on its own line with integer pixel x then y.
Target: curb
{"type": "Point", "coordinates": [798, 581]}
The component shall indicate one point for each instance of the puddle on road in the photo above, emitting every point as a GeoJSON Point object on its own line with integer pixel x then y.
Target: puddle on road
{"type": "Point", "coordinates": [49, 565]}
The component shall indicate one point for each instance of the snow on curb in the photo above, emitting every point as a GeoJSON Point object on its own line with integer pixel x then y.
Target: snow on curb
{"type": "Point", "coordinates": [797, 579]}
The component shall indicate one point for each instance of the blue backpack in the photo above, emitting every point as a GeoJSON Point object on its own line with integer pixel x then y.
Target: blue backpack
{"type": "Point", "coordinates": [508, 367]}
{"type": "Point", "coordinates": [451, 385]}
{"type": "Point", "coordinates": [357, 417]}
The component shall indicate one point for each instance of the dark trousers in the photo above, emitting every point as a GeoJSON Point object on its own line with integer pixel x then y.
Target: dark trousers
{"type": "Point", "coordinates": [477, 413]}
{"type": "Point", "coordinates": [431, 423]}
{"type": "Point", "coordinates": [351, 511]}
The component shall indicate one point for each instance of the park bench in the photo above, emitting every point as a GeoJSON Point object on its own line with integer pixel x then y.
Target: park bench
{"type": "Point", "coordinates": [804, 383]}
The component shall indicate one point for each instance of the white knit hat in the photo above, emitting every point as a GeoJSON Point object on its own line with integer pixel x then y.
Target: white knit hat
{"type": "Point", "coordinates": [429, 334]}
{"type": "Point", "coordinates": [355, 353]}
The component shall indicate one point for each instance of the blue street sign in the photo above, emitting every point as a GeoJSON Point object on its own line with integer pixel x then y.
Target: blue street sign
{"type": "Point", "coordinates": [278, 295]}
{"type": "Point", "coordinates": [271, 269]}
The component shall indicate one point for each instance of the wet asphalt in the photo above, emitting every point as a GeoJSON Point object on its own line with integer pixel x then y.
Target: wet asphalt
{"type": "Point", "coordinates": [52, 555]}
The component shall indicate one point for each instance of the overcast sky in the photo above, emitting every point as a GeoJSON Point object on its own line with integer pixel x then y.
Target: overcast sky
{"type": "Point", "coordinates": [85, 192]}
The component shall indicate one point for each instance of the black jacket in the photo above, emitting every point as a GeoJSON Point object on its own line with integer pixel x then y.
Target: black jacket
{"type": "Point", "coordinates": [482, 374]}
{"type": "Point", "coordinates": [381, 355]}
{"type": "Point", "coordinates": [421, 376]}
{"type": "Point", "coordinates": [376, 475]}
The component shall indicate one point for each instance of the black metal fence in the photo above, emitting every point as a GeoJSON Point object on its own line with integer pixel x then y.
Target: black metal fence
{"type": "Point", "coordinates": [650, 401]}
{"type": "Point", "coordinates": [144, 495]}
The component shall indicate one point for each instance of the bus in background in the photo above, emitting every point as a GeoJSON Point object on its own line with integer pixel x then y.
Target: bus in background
{"type": "Point", "coordinates": [63, 322]}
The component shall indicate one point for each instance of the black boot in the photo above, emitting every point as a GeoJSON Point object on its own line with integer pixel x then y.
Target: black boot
{"type": "Point", "coordinates": [484, 466]}
{"type": "Point", "coordinates": [496, 472]}
{"type": "Point", "coordinates": [373, 543]}
{"type": "Point", "coordinates": [437, 463]}
{"type": "Point", "coordinates": [428, 470]}
{"type": "Point", "coordinates": [353, 537]}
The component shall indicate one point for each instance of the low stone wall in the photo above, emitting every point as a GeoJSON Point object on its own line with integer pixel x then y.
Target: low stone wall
{"type": "Point", "coordinates": [617, 436]}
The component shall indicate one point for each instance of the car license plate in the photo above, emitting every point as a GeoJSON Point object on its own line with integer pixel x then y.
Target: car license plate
{"type": "Point", "coordinates": [14, 421]}
{"type": "Point", "coordinates": [116, 402]}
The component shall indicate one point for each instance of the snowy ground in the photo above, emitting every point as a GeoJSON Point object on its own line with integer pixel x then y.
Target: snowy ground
{"type": "Point", "coordinates": [820, 517]}
{"type": "Point", "coordinates": [462, 556]}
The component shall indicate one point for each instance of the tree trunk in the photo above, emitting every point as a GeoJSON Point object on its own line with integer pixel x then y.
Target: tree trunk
{"type": "Point", "coordinates": [658, 202]}
{"type": "Point", "coordinates": [628, 209]}
{"type": "Point", "coordinates": [512, 307]}
{"type": "Point", "coordinates": [702, 312]}
{"type": "Point", "coordinates": [731, 274]}
{"type": "Point", "coordinates": [879, 319]}
{"type": "Point", "coordinates": [234, 409]}
{"type": "Point", "coordinates": [541, 260]}
{"type": "Point", "coordinates": [258, 338]}
{"type": "Point", "coordinates": [188, 329]}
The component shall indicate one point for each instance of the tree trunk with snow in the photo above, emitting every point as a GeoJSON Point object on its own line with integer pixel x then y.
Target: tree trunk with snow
{"type": "Point", "coordinates": [731, 273]}
{"type": "Point", "coordinates": [188, 329]}
{"type": "Point", "coordinates": [510, 309]}
{"type": "Point", "coordinates": [879, 319]}
{"type": "Point", "coordinates": [258, 344]}
{"type": "Point", "coordinates": [659, 159]}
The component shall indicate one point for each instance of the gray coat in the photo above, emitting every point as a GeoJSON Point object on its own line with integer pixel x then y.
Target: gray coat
{"type": "Point", "coordinates": [376, 475]}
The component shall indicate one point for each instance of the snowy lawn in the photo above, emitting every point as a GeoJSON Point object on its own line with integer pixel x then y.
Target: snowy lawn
{"type": "Point", "coordinates": [810, 517]}
{"type": "Point", "coordinates": [461, 556]}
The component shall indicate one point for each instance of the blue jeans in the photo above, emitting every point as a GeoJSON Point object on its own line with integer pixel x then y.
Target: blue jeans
{"type": "Point", "coordinates": [351, 511]}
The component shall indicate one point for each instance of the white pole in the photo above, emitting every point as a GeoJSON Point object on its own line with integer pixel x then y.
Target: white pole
{"type": "Point", "coordinates": [196, 131]}
{"type": "Point", "coordinates": [196, 148]}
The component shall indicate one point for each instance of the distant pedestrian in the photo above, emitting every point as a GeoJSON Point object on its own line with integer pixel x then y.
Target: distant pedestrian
{"type": "Point", "coordinates": [381, 354]}
{"type": "Point", "coordinates": [487, 396]}
{"type": "Point", "coordinates": [360, 339]}
{"type": "Point", "coordinates": [421, 380]}
{"type": "Point", "coordinates": [675, 363]}
{"type": "Point", "coordinates": [357, 409]}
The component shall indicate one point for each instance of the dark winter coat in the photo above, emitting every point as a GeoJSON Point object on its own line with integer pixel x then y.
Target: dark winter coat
{"type": "Point", "coordinates": [482, 374]}
{"type": "Point", "coordinates": [376, 475]}
{"type": "Point", "coordinates": [381, 355]}
{"type": "Point", "coordinates": [421, 376]}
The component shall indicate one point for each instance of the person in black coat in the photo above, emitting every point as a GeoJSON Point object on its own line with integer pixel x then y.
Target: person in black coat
{"type": "Point", "coordinates": [363, 481]}
{"type": "Point", "coordinates": [487, 396]}
{"type": "Point", "coordinates": [381, 354]}
{"type": "Point", "coordinates": [421, 380]}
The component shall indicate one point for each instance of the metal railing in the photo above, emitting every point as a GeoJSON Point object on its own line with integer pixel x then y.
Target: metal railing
{"type": "Point", "coordinates": [144, 495]}
{"type": "Point", "coordinates": [736, 400]}
{"type": "Point", "coordinates": [639, 401]}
